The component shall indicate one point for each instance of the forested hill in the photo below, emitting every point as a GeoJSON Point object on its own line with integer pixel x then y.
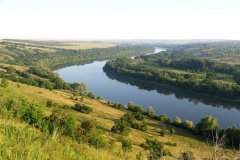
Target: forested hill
{"type": "Point", "coordinates": [186, 69]}
{"type": "Point", "coordinates": [28, 54]}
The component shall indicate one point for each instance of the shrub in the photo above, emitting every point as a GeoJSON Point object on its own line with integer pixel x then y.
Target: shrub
{"type": "Point", "coordinates": [132, 107]}
{"type": "Point", "coordinates": [121, 127]}
{"type": "Point", "coordinates": [126, 144]}
{"type": "Point", "coordinates": [86, 127]}
{"type": "Point", "coordinates": [96, 139]}
{"type": "Point", "coordinates": [4, 83]}
{"type": "Point", "coordinates": [163, 132]}
{"type": "Point", "coordinates": [187, 156]}
{"type": "Point", "coordinates": [49, 103]}
{"type": "Point", "coordinates": [69, 124]}
{"type": "Point", "coordinates": [32, 114]}
{"type": "Point", "coordinates": [155, 147]}
{"type": "Point", "coordinates": [172, 131]}
{"type": "Point", "coordinates": [91, 95]}
{"type": "Point", "coordinates": [138, 116]}
{"type": "Point", "coordinates": [163, 118]}
{"type": "Point", "coordinates": [82, 108]}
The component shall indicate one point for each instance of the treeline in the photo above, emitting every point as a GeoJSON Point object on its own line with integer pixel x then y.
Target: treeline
{"type": "Point", "coordinates": [190, 81]}
{"type": "Point", "coordinates": [55, 57]}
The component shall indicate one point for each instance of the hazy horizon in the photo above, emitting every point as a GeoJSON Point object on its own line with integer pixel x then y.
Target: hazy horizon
{"type": "Point", "coordinates": [120, 20]}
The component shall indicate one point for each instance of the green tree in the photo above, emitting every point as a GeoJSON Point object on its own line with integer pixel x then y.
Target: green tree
{"type": "Point", "coordinates": [177, 121]}
{"type": "Point", "coordinates": [150, 111]}
{"type": "Point", "coordinates": [188, 124]}
{"type": "Point", "coordinates": [207, 125]}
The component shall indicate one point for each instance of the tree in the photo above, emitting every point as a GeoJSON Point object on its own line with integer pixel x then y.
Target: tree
{"type": "Point", "coordinates": [80, 88]}
{"type": "Point", "coordinates": [4, 83]}
{"type": "Point", "coordinates": [207, 125]}
{"type": "Point", "coordinates": [188, 124]}
{"type": "Point", "coordinates": [177, 121]}
{"type": "Point", "coordinates": [163, 118]}
{"type": "Point", "coordinates": [150, 111]}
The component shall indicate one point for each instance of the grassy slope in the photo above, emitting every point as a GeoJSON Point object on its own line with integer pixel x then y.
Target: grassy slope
{"type": "Point", "coordinates": [104, 115]}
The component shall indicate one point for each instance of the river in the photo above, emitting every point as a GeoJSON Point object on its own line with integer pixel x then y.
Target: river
{"type": "Point", "coordinates": [164, 99]}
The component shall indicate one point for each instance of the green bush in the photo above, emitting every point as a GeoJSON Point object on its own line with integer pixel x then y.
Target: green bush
{"type": "Point", "coordinates": [32, 114]}
{"type": "Point", "coordinates": [69, 125]}
{"type": "Point", "coordinates": [96, 139]}
{"type": "Point", "coordinates": [126, 144]}
{"type": "Point", "coordinates": [121, 127]}
{"type": "Point", "coordinates": [187, 156]}
{"type": "Point", "coordinates": [49, 103]}
{"type": "Point", "coordinates": [4, 83]}
{"type": "Point", "coordinates": [91, 95]}
{"type": "Point", "coordinates": [155, 147]}
{"type": "Point", "coordinates": [163, 118]}
{"type": "Point", "coordinates": [82, 108]}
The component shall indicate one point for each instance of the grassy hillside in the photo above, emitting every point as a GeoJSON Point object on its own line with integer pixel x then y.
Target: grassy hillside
{"type": "Point", "coordinates": [56, 146]}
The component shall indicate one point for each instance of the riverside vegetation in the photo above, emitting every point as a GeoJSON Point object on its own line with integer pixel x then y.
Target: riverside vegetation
{"type": "Point", "coordinates": [43, 117]}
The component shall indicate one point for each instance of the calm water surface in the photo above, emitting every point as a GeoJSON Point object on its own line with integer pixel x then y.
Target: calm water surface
{"type": "Point", "coordinates": [164, 101]}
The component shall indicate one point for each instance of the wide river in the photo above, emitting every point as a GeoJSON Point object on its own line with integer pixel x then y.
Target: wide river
{"type": "Point", "coordinates": [164, 99]}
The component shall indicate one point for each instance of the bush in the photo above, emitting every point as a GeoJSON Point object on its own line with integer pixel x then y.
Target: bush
{"type": "Point", "coordinates": [69, 124]}
{"type": "Point", "coordinates": [91, 95]}
{"type": "Point", "coordinates": [32, 114]}
{"type": "Point", "coordinates": [82, 108]}
{"type": "Point", "coordinates": [126, 144]}
{"type": "Point", "coordinates": [163, 132]}
{"type": "Point", "coordinates": [138, 116]}
{"type": "Point", "coordinates": [86, 127]}
{"type": "Point", "coordinates": [187, 156]}
{"type": "Point", "coordinates": [163, 118]}
{"type": "Point", "coordinates": [4, 83]}
{"type": "Point", "coordinates": [96, 139]}
{"type": "Point", "coordinates": [172, 131]}
{"type": "Point", "coordinates": [132, 107]}
{"type": "Point", "coordinates": [155, 147]}
{"type": "Point", "coordinates": [121, 127]}
{"type": "Point", "coordinates": [49, 103]}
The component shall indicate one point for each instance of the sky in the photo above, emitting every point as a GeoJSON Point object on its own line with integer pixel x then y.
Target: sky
{"type": "Point", "coordinates": [119, 19]}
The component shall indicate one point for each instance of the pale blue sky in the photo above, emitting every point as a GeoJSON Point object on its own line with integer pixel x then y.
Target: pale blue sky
{"type": "Point", "coordinates": [120, 19]}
